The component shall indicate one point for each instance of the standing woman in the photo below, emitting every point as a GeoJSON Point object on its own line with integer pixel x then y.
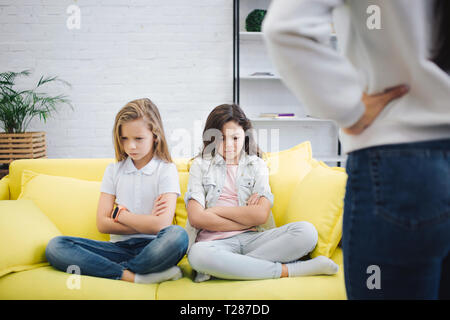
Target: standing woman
{"type": "Point", "coordinates": [389, 91]}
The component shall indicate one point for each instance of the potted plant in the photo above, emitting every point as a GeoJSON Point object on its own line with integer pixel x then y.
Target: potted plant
{"type": "Point", "coordinates": [254, 20]}
{"type": "Point", "coordinates": [17, 109]}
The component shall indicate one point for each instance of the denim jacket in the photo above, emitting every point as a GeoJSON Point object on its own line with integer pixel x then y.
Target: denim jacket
{"type": "Point", "coordinates": [207, 178]}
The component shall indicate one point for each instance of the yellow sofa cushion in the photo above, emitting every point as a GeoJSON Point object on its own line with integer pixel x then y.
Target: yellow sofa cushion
{"type": "Point", "coordinates": [182, 164]}
{"type": "Point", "coordinates": [24, 234]}
{"type": "Point", "coordinates": [286, 169]}
{"type": "Point", "coordinates": [183, 176]}
{"type": "Point", "coordinates": [4, 188]}
{"type": "Point", "coordinates": [296, 288]}
{"type": "Point", "coordinates": [71, 204]}
{"type": "Point", "coordinates": [180, 211]}
{"type": "Point", "coordinates": [319, 199]}
{"type": "Point", "coordinates": [85, 169]}
{"type": "Point", "coordinates": [48, 283]}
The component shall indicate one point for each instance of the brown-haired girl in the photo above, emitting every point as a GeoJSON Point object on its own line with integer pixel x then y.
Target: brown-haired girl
{"type": "Point", "coordinates": [232, 234]}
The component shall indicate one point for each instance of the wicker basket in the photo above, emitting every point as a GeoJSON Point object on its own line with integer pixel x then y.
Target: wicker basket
{"type": "Point", "coordinates": [28, 145]}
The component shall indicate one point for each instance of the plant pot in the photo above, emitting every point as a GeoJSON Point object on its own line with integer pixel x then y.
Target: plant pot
{"type": "Point", "coordinates": [27, 145]}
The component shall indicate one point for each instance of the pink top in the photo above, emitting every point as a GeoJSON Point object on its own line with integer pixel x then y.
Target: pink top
{"type": "Point", "coordinates": [228, 198]}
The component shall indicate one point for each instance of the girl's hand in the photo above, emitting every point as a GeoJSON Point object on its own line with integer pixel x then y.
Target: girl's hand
{"type": "Point", "coordinates": [374, 105]}
{"type": "Point", "coordinates": [159, 206]}
{"type": "Point", "coordinates": [253, 199]}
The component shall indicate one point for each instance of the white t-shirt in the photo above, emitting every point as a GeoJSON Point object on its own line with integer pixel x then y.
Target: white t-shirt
{"type": "Point", "coordinates": [137, 189]}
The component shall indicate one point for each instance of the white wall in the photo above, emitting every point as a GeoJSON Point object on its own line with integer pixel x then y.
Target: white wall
{"type": "Point", "coordinates": [178, 53]}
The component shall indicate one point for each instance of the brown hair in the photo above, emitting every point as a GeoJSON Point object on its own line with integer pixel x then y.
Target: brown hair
{"type": "Point", "coordinates": [441, 36]}
{"type": "Point", "coordinates": [141, 109]}
{"type": "Point", "coordinates": [223, 114]}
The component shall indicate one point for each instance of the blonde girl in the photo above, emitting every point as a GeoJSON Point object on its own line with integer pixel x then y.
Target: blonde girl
{"type": "Point", "coordinates": [136, 207]}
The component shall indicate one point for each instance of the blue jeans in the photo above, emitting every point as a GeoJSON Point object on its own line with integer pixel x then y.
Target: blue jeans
{"type": "Point", "coordinates": [108, 259]}
{"type": "Point", "coordinates": [396, 229]}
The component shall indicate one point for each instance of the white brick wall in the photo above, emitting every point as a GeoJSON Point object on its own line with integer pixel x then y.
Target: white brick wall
{"type": "Point", "coordinates": [176, 52]}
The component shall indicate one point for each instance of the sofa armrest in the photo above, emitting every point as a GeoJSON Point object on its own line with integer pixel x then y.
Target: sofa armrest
{"type": "Point", "coordinates": [4, 188]}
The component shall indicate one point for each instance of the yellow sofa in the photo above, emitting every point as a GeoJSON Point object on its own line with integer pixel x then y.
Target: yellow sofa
{"type": "Point", "coordinates": [33, 278]}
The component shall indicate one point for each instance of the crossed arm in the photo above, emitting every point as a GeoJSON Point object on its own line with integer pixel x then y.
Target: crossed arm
{"type": "Point", "coordinates": [131, 223]}
{"type": "Point", "coordinates": [254, 213]}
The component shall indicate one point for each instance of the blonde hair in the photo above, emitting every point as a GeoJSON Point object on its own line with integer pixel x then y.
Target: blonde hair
{"type": "Point", "coordinates": [141, 109]}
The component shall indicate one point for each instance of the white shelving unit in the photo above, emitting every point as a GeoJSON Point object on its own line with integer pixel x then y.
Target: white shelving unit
{"type": "Point", "coordinates": [289, 119]}
{"type": "Point", "coordinates": [245, 35]}
{"type": "Point", "coordinates": [258, 94]}
{"type": "Point", "coordinates": [250, 77]}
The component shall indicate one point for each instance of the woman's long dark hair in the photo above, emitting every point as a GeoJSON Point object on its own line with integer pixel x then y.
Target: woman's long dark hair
{"type": "Point", "coordinates": [441, 35]}
{"type": "Point", "coordinates": [216, 120]}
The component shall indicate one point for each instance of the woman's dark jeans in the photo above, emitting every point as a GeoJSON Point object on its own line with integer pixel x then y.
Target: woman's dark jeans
{"type": "Point", "coordinates": [396, 229]}
{"type": "Point", "coordinates": [108, 259]}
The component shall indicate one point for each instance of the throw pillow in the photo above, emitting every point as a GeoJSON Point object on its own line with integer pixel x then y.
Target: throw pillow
{"type": "Point", "coordinates": [319, 199]}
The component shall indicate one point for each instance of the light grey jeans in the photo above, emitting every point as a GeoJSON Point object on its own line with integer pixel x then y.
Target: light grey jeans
{"type": "Point", "coordinates": [254, 255]}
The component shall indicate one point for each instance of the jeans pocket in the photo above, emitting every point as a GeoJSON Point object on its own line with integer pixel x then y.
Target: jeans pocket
{"type": "Point", "coordinates": [411, 186]}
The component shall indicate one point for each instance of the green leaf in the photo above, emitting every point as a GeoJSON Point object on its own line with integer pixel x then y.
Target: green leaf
{"type": "Point", "coordinates": [19, 108]}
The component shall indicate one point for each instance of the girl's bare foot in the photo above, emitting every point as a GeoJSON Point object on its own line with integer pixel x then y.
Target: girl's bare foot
{"type": "Point", "coordinates": [127, 275]}
{"type": "Point", "coordinates": [284, 271]}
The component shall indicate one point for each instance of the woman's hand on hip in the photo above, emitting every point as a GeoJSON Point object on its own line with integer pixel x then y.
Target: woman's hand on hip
{"type": "Point", "coordinates": [374, 104]}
